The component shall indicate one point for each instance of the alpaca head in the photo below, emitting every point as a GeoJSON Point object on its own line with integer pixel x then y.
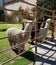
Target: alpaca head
{"type": "Point", "coordinates": [28, 26]}
{"type": "Point", "coordinates": [48, 21]}
{"type": "Point", "coordinates": [27, 29]}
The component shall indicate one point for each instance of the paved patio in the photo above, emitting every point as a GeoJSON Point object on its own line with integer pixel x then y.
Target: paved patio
{"type": "Point", "coordinates": [46, 53]}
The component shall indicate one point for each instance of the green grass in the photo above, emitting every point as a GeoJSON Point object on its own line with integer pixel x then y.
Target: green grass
{"type": "Point", "coordinates": [49, 33]}
{"type": "Point", "coordinates": [2, 34]}
{"type": "Point", "coordinates": [3, 42]}
{"type": "Point", "coordinates": [25, 59]}
{"type": "Point", "coordinates": [5, 26]}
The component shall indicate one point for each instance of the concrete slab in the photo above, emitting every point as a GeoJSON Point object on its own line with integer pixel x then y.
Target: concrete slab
{"type": "Point", "coordinates": [46, 53]}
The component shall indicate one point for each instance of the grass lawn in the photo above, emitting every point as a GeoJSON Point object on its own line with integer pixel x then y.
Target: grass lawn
{"type": "Point", "coordinates": [50, 33]}
{"type": "Point", "coordinates": [5, 26]}
{"type": "Point", "coordinates": [25, 59]}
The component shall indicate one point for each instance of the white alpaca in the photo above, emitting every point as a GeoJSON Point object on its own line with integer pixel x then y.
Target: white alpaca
{"type": "Point", "coordinates": [20, 38]}
{"type": "Point", "coordinates": [43, 31]}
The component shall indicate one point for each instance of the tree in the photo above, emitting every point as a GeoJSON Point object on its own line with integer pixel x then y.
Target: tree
{"type": "Point", "coordinates": [49, 4]}
{"type": "Point", "coordinates": [16, 16]}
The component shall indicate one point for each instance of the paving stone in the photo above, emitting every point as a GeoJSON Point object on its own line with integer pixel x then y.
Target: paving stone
{"type": "Point", "coordinates": [46, 54]}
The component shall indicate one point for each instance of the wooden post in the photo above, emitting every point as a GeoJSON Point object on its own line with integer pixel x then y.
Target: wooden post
{"type": "Point", "coordinates": [36, 28]}
{"type": "Point", "coordinates": [53, 27]}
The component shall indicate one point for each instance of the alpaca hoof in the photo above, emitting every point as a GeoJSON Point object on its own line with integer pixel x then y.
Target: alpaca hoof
{"type": "Point", "coordinates": [15, 50]}
{"type": "Point", "coordinates": [22, 50]}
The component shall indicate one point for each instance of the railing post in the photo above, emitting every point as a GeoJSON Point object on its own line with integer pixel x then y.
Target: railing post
{"type": "Point", "coordinates": [53, 27]}
{"type": "Point", "coordinates": [36, 28]}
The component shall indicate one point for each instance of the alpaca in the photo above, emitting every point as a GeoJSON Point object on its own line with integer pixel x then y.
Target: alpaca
{"type": "Point", "coordinates": [43, 31]}
{"type": "Point", "coordinates": [20, 38]}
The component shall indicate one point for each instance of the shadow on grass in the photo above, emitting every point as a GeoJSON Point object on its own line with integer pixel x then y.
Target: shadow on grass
{"type": "Point", "coordinates": [28, 55]}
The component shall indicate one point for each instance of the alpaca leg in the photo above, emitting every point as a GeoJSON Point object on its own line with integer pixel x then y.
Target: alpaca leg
{"type": "Point", "coordinates": [12, 44]}
{"type": "Point", "coordinates": [15, 49]}
{"type": "Point", "coordinates": [23, 46]}
{"type": "Point", "coordinates": [32, 37]}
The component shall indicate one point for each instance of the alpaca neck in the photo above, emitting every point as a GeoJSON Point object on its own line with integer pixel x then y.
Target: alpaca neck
{"type": "Point", "coordinates": [28, 28]}
{"type": "Point", "coordinates": [47, 25]}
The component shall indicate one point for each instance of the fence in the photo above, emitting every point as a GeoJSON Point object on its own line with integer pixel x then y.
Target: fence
{"type": "Point", "coordinates": [36, 17]}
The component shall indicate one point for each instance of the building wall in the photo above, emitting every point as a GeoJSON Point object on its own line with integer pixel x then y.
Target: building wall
{"type": "Point", "coordinates": [2, 15]}
{"type": "Point", "coordinates": [15, 6]}
{"type": "Point", "coordinates": [1, 3]}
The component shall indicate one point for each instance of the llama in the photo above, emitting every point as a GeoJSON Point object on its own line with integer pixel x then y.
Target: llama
{"type": "Point", "coordinates": [19, 38]}
{"type": "Point", "coordinates": [43, 31]}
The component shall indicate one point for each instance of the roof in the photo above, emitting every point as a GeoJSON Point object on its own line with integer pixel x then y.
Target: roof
{"type": "Point", "coordinates": [15, 6]}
